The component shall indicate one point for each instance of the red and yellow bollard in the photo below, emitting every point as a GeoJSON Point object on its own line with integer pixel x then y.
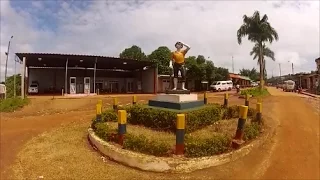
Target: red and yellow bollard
{"type": "Point", "coordinates": [134, 100]}
{"type": "Point", "coordinates": [259, 113]}
{"type": "Point", "coordinates": [115, 103]}
{"type": "Point", "coordinates": [99, 111]}
{"type": "Point", "coordinates": [122, 125]}
{"type": "Point", "coordinates": [246, 102]}
{"type": "Point", "coordinates": [205, 98]}
{"type": "Point", "coordinates": [181, 124]}
{"type": "Point", "coordinates": [238, 139]}
{"type": "Point", "coordinates": [226, 97]}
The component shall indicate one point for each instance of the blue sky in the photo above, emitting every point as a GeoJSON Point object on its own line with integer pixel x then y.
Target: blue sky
{"type": "Point", "coordinates": [108, 27]}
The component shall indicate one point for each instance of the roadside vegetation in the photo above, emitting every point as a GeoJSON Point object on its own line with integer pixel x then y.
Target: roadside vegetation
{"type": "Point", "coordinates": [256, 92]}
{"type": "Point", "coordinates": [13, 101]}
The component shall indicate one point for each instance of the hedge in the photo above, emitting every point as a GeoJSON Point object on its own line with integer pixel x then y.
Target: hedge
{"type": "Point", "coordinates": [199, 147]}
{"type": "Point", "coordinates": [195, 146]}
{"type": "Point", "coordinates": [164, 120]}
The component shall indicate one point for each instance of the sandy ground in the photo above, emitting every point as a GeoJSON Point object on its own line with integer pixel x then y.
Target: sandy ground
{"type": "Point", "coordinates": [293, 153]}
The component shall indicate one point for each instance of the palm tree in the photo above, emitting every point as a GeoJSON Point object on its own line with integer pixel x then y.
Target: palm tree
{"type": "Point", "coordinates": [258, 31]}
{"type": "Point", "coordinates": [266, 52]}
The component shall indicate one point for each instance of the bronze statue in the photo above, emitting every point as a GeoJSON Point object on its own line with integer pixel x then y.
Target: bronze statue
{"type": "Point", "coordinates": [178, 64]}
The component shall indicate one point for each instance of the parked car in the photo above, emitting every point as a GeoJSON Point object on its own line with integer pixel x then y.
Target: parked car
{"type": "Point", "coordinates": [33, 88]}
{"type": "Point", "coordinates": [254, 84]}
{"type": "Point", "coordinates": [289, 86]}
{"type": "Point", "coordinates": [221, 86]}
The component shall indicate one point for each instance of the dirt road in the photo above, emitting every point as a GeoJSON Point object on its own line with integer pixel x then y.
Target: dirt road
{"type": "Point", "coordinates": [296, 155]}
{"type": "Point", "coordinates": [293, 153]}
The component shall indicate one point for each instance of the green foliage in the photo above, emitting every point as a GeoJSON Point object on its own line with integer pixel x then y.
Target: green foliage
{"type": "Point", "coordinates": [162, 56]}
{"type": "Point", "coordinates": [198, 147]}
{"type": "Point", "coordinates": [198, 119]}
{"type": "Point", "coordinates": [220, 74]}
{"type": "Point", "coordinates": [266, 52]}
{"type": "Point", "coordinates": [258, 30]}
{"type": "Point", "coordinates": [152, 118]}
{"type": "Point", "coordinates": [145, 145]}
{"type": "Point", "coordinates": [12, 104]}
{"type": "Point", "coordinates": [255, 92]}
{"type": "Point", "coordinates": [165, 120]}
{"type": "Point", "coordinates": [233, 112]}
{"type": "Point", "coordinates": [109, 115]}
{"type": "Point", "coordinates": [251, 131]}
{"type": "Point", "coordinates": [253, 74]}
{"type": "Point", "coordinates": [10, 86]}
{"type": "Point", "coordinates": [134, 52]}
{"type": "Point", "coordinates": [105, 132]}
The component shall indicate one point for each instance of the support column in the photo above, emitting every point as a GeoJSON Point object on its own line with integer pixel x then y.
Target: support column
{"type": "Point", "coordinates": [66, 79]}
{"type": "Point", "coordinates": [23, 74]}
{"type": "Point", "coordinates": [155, 80]}
{"type": "Point", "coordinates": [94, 76]}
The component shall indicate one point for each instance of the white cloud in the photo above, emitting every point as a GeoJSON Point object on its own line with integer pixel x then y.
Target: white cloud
{"type": "Point", "coordinates": [107, 27]}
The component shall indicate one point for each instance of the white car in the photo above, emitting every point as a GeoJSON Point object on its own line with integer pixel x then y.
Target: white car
{"type": "Point", "coordinates": [254, 84]}
{"type": "Point", "coordinates": [33, 89]}
{"type": "Point", "coordinates": [221, 86]}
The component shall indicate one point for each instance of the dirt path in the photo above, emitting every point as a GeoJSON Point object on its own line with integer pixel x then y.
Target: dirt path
{"type": "Point", "coordinates": [296, 155]}
{"type": "Point", "coordinates": [293, 153]}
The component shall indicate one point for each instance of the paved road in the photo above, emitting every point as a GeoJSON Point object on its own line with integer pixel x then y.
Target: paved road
{"type": "Point", "coordinates": [293, 153]}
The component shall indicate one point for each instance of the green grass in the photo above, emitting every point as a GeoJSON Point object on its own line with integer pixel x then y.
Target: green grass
{"type": "Point", "coordinates": [12, 104]}
{"type": "Point", "coordinates": [255, 92]}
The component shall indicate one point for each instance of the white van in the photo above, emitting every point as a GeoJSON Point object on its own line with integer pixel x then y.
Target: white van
{"type": "Point", "coordinates": [289, 86]}
{"type": "Point", "coordinates": [221, 86]}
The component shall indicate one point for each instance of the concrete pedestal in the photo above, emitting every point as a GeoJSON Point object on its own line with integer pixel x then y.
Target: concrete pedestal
{"type": "Point", "coordinates": [176, 98]}
{"type": "Point", "coordinates": [176, 101]}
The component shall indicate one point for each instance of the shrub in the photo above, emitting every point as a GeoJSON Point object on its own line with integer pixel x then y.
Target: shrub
{"type": "Point", "coordinates": [198, 147]}
{"type": "Point", "coordinates": [255, 92]}
{"type": "Point", "coordinates": [251, 131]}
{"type": "Point", "coordinates": [109, 116]}
{"type": "Point", "coordinates": [203, 117]}
{"type": "Point", "coordinates": [165, 120]}
{"type": "Point", "coordinates": [12, 104]}
{"type": "Point", "coordinates": [233, 112]}
{"type": "Point", "coordinates": [144, 145]}
{"type": "Point", "coordinates": [105, 132]}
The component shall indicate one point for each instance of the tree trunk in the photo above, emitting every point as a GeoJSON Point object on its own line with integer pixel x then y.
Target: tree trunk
{"type": "Point", "coordinates": [261, 66]}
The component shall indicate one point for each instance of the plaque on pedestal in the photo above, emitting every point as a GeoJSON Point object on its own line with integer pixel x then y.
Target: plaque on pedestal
{"type": "Point", "coordinates": [179, 91]}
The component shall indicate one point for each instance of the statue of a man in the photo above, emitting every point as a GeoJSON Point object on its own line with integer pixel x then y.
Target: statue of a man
{"type": "Point", "coordinates": [178, 64]}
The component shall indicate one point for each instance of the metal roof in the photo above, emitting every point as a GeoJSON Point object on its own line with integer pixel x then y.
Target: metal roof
{"type": "Point", "coordinates": [81, 60]}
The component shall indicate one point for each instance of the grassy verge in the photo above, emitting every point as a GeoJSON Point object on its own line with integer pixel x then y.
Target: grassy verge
{"type": "Point", "coordinates": [255, 92]}
{"type": "Point", "coordinates": [12, 104]}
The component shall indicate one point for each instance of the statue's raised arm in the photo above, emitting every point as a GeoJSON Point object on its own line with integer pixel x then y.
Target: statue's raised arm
{"type": "Point", "coordinates": [178, 60]}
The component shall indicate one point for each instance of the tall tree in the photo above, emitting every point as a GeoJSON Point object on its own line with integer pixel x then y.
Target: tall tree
{"type": "Point", "coordinates": [258, 30]}
{"type": "Point", "coordinates": [252, 74]}
{"type": "Point", "coordinates": [134, 52]}
{"type": "Point", "coordinates": [162, 56]}
{"type": "Point", "coordinates": [266, 52]}
{"type": "Point", "coordinates": [220, 74]}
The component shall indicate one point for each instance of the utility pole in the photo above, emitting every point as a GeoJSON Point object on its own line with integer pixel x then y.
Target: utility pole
{"type": "Point", "coordinates": [232, 65]}
{"type": "Point", "coordinates": [292, 69]}
{"type": "Point", "coordinates": [7, 53]}
{"type": "Point", "coordinates": [280, 70]}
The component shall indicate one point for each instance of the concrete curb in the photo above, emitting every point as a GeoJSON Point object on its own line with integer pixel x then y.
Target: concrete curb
{"type": "Point", "coordinates": [312, 95]}
{"type": "Point", "coordinates": [170, 164]}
